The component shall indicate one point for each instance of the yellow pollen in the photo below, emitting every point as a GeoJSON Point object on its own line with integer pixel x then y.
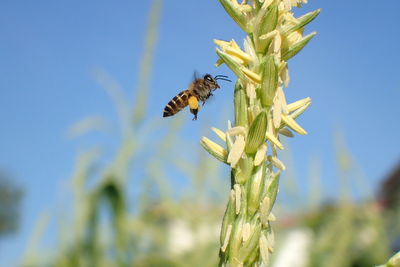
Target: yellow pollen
{"type": "Point", "coordinates": [252, 75]}
{"type": "Point", "coordinates": [193, 103]}
{"type": "Point", "coordinates": [298, 104]}
{"type": "Point", "coordinates": [238, 53]}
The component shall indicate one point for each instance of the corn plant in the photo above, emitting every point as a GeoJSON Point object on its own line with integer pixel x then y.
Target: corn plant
{"type": "Point", "coordinates": [274, 36]}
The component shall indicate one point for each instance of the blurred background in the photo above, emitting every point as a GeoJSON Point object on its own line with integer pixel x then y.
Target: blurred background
{"type": "Point", "coordinates": [92, 175]}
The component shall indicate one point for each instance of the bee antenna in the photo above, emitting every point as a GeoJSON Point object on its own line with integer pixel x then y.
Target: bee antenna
{"type": "Point", "coordinates": [224, 79]}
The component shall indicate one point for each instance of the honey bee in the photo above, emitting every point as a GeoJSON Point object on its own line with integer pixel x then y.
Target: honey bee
{"type": "Point", "coordinates": [199, 90]}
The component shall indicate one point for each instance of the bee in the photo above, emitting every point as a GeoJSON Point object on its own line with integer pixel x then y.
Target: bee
{"type": "Point", "coordinates": [199, 90]}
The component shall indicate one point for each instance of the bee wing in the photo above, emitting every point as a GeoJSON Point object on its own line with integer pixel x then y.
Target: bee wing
{"type": "Point", "coordinates": [195, 75]}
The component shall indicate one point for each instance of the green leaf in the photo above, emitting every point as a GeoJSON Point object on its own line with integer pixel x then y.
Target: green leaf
{"type": "Point", "coordinates": [232, 64]}
{"type": "Point", "coordinates": [236, 237]}
{"type": "Point", "coordinates": [229, 218]}
{"type": "Point", "coordinates": [246, 165]}
{"type": "Point", "coordinates": [256, 135]}
{"type": "Point", "coordinates": [297, 47]}
{"type": "Point", "coordinates": [269, 81]}
{"type": "Point", "coordinates": [235, 14]}
{"type": "Point", "coordinates": [250, 245]}
{"type": "Point", "coordinates": [240, 106]}
{"type": "Point", "coordinates": [272, 189]}
{"type": "Point", "coordinates": [265, 22]}
{"type": "Point", "coordinates": [303, 21]}
{"type": "Point", "coordinates": [255, 188]}
{"type": "Point", "coordinates": [269, 22]}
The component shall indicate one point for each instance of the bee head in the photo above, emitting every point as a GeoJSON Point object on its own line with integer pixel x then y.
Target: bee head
{"type": "Point", "coordinates": [212, 81]}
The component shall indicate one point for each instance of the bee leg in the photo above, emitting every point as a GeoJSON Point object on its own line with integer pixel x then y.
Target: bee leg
{"type": "Point", "coordinates": [194, 106]}
{"type": "Point", "coordinates": [203, 103]}
{"type": "Point", "coordinates": [194, 112]}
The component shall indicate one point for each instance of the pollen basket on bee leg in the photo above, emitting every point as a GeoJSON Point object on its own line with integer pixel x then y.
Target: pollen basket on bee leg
{"type": "Point", "coordinates": [193, 103]}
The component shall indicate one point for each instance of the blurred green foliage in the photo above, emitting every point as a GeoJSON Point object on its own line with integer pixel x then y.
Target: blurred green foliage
{"type": "Point", "coordinates": [346, 232]}
{"type": "Point", "coordinates": [10, 199]}
{"type": "Point", "coordinates": [113, 226]}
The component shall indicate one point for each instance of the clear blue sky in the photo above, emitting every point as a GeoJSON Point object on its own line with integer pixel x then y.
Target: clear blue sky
{"type": "Point", "coordinates": [48, 50]}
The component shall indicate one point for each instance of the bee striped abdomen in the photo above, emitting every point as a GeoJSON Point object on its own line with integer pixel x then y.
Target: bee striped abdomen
{"type": "Point", "coordinates": [176, 104]}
